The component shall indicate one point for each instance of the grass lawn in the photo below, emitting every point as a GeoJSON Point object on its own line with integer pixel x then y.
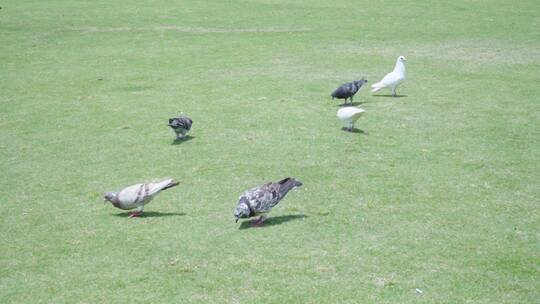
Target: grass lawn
{"type": "Point", "coordinates": [440, 193]}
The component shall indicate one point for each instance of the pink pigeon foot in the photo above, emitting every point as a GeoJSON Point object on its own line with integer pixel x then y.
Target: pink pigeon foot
{"type": "Point", "coordinates": [259, 222]}
{"type": "Point", "coordinates": [135, 214]}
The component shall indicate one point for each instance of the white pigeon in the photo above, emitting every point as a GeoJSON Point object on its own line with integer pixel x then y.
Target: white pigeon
{"type": "Point", "coordinates": [136, 196]}
{"type": "Point", "coordinates": [349, 116]}
{"type": "Point", "coordinates": [392, 79]}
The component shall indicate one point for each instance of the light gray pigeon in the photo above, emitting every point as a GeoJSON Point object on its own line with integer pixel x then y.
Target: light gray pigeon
{"type": "Point", "coordinates": [392, 79]}
{"type": "Point", "coordinates": [136, 196]}
{"type": "Point", "coordinates": [180, 125]}
{"type": "Point", "coordinates": [261, 200]}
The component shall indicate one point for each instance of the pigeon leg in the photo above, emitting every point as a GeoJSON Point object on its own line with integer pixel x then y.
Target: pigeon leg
{"type": "Point", "coordinates": [394, 93]}
{"type": "Point", "coordinates": [259, 221]}
{"type": "Point", "coordinates": [137, 213]}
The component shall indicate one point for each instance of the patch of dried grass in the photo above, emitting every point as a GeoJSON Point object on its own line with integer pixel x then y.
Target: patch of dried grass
{"type": "Point", "coordinates": [187, 29]}
{"type": "Point", "coordinates": [475, 52]}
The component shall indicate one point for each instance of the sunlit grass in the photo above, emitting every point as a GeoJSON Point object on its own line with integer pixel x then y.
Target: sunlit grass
{"type": "Point", "coordinates": [440, 193]}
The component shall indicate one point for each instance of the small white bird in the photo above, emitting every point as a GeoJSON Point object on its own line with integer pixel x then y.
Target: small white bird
{"type": "Point", "coordinates": [392, 79]}
{"type": "Point", "coordinates": [349, 116]}
{"type": "Point", "coordinates": [136, 196]}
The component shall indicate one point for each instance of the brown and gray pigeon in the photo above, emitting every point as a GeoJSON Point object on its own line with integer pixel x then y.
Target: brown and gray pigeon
{"type": "Point", "coordinates": [260, 200]}
{"type": "Point", "coordinates": [136, 196]}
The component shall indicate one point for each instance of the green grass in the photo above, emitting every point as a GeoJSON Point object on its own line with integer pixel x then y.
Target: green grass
{"type": "Point", "coordinates": [441, 193]}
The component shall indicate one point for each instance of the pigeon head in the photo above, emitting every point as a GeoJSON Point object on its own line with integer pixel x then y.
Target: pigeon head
{"type": "Point", "coordinates": [360, 82]}
{"type": "Point", "coordinates": [242, 209]}
{"type": "Point", "coordinates": [109, 196]}
{"type": "Point", "coordinates": [402, 58]}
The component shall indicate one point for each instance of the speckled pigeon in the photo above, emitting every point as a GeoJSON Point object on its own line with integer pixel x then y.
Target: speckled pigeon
{"type": "Point", "coordinates": [348, 90]}
{"type": "Point", "coordinates": [180, 125]}
{"type": "Point", "coordinates": [136, 196]}
{"type": "Point", "coordinates": [261, 200]}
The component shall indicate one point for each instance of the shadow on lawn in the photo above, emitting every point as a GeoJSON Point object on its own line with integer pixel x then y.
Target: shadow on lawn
{"type": "Point", "coordinates": [277, 220]}
{"type": "Point", "coordinates": [389, 95]}
{"type": "Point", "coordinates": [355, 130]}
{"type": "Point", "coordinates": [182, 140]}
{"type": "Point", "coordinates": [151, 214]}
{"type": "Point", "coordinates": [351, 104]}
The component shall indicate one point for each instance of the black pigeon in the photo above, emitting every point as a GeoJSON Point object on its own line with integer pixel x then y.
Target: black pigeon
{"type": "Point", "coordinates": [347, 90]}
{"type": "Point", "coordinates": [180, 125]}
{"type": "Point", "coordinates": [260, 200]}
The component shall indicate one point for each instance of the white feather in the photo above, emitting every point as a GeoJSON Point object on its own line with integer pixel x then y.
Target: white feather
{"type": "Point", "coordinates": [349, 115]}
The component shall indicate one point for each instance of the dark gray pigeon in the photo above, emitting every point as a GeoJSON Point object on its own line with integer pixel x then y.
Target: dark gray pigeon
{"type": "Point", "coordinates": [180, 125]}
{"type": "Point", "coordinates": [262, 199]}
{"type": "Point", "coordinates": [347, 90]}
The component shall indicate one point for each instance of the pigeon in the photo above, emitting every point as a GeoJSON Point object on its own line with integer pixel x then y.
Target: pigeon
{"type": "Point", "coordinates": [348, 90]}
{"type": "Point", "coordinates": [349, 115]}
{"type": "Point", "coordinates": [260, 200]}
{"type": "Point", "coordinates": [136, 196]}
{"type": "Point", "coordinates": [180, 125]}
{"type": "Point", "coordinates": [392, 79]}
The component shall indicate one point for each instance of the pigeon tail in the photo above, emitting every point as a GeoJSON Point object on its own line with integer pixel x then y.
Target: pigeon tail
{"type": "Point", "coordinates": [377, 86]}
{"type": "Point", "coordinates": [171, 184]}
{"type": "Point", "coordinates": [286, 185]}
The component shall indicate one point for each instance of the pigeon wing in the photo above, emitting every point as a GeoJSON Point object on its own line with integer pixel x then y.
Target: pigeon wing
{"type": "Point", "coordinates": [132, 196]}
{"type": "Point", "coordinates": [269, 196]}
{"type": "Point", "coordinates": [390, 79]}
{"type": "Point", "coordinates": [349, 114]}
{"type": "Point", "coordinates": [262, 198]}
{"type": "Point", "coordinates": [182, 122]}
{"type": "Point", "coordinates": [185, 122]}
{"type": "Point", "coordinates": [343, 91]}
{"type": "Point", "coordinates": [155, 188]}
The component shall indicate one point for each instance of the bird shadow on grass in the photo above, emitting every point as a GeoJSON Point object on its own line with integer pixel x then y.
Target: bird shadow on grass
{"type": "Point", "coordinates": [151, 214]}
{"type": "Point", "coordinates": [351, 104]}
{"type": "Point", "coordinates": [355, 130]}
{"type": "Point", "coordinates": [182, 140]}
{"type": "Point", "coordinates": [389, 95]}
{"type": "Point", "coordinates": [272, 221]}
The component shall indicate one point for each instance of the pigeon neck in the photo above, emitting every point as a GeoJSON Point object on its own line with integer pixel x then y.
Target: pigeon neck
{"type": "Point", "coordinates": [399, 67]}
{"type": "Point", "coordinates": [115, 202]}
{"type": "Point", "coordinates": [251, 210]}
